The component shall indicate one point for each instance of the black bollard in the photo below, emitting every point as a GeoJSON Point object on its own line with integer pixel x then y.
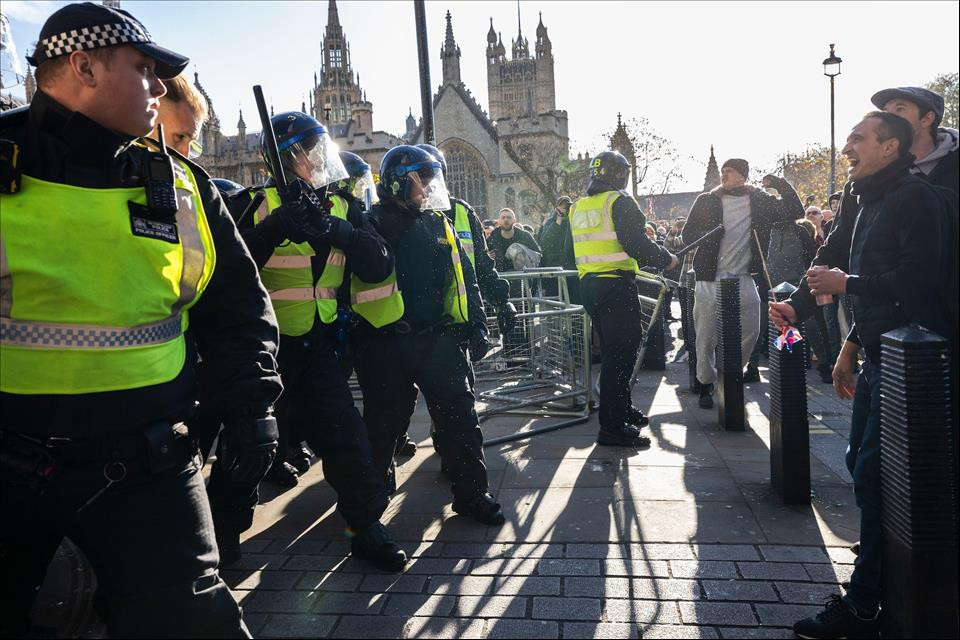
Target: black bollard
{"type": "Point", "coordinates": [789, 429]}
{"type": "Point", "coordinates": [919, 493]}
{"type": "Point", "coordinates": [730, 404]}
{"type": "Point", "coordinates": [689, 282]}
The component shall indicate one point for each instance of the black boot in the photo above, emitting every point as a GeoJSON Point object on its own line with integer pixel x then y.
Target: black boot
{"type": "Point", "coordinates": [482, 508]}
{"type": "Point", "coordinates": [229, 547]}
{"type": "Point", "coordinates": [839, 619]}
{"type": "Point", "coordinates": [375, 545]}
{"type": "Point", "coordinates": [283, 474]}
{"type": "Point", "coordinates": [706, 396]}
{"type": "Point", "coordinates": [622, 436]}
{"type": "Point", "coordinates": [637, 417]}
{"type": "Point", "coordinates": [301, 459]}
{"type": "Point", "coordinates": [406, 447]}
{"type": "Point", "coordinates": [752, 374]}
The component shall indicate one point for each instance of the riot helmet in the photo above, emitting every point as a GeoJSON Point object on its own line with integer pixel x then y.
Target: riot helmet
{"type": "Point", "coordinates": [611, 169]}
{"type": "Point", "coordinates": [227, 188]}
{"type": "Point", "coordinates": [436, 153]}
{"type": "Point", "coordinates": [359, 182]}
{"type": "Point", "coordinates": [414, 178]}
{"type": "Point", "coordinates": [306, 149]}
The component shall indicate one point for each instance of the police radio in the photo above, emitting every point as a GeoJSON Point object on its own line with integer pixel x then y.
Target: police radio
{"type": "Point", "coordinates": [160, 185]}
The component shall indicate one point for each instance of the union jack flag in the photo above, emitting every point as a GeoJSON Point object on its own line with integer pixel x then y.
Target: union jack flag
{"type": "Point", "coordinates": [787, 338]}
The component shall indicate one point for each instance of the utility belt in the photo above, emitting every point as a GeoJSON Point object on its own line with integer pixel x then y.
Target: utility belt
{"type": "Point", "coordinates": [35, 462]}
{"type": "Point", "coordinates": [443, 326]}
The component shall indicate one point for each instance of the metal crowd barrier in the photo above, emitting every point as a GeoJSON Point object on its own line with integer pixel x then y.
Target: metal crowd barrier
{"type": "Point", "coordinates": [542, 367]}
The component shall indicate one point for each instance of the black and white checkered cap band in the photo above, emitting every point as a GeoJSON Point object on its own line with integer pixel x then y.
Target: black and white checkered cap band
{"type": "Point", "coordinates": [85, 38]}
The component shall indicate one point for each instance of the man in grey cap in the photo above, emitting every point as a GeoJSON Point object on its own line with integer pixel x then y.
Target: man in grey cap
{"type": "Point", "coordinates": [934, 147]}
{"type": "Point", "coordinates": [120, 266]}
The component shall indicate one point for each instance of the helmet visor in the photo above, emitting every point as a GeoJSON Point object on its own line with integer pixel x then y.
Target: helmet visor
{"type": "Point", "coordinates": [365, 190]}
{"type": "Point", "coordinates": [314, 157]}
{"type": "Point", "coordinates": [427, 185]}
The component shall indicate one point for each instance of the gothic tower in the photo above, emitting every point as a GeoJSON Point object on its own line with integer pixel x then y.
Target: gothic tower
{"type": "Point", "coordinates": [450, 56]}
{"type": "Point", "coordinates": [522, 86]}
{"type": "Point", "coordinates": [338, 87]}
{"type": "Point", "coordinates": [712, 179]}
{"type": "Point", "coordinates": [29, 84]}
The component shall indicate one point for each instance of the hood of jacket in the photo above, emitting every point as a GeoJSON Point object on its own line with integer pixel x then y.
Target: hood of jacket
{"type": "Point", "coordinates": [948, 140]}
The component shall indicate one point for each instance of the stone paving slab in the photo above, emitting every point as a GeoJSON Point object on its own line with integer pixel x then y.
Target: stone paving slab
{"type": "Point", "coordinates": [685, 539]}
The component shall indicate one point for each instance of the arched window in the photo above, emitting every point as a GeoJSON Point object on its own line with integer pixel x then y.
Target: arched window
{"type": "Point", "coordinates": [466, 175]}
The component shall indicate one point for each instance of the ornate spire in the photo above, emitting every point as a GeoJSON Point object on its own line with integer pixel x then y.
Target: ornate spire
{"type": "Point", "coordinates": [521, 46]}
{"type": "Point", "coordinates": [450, 56]}
{"type": "Point", "coordinates": [29, 84]}
{"type": "Point", "coordinates": [712, 179]}
{"type": "Point", "coordinates": [241, 125]}
{"type": "Point", "coordinates": [491, 34]}
{"type": "Point", "coordinates": [333, 18]}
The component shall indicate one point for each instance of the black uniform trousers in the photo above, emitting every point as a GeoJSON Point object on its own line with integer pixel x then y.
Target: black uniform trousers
{"type": "Point", "coordinates": [317, 404]}
{"type": "Point", "coordinates": [390, 369]}
{"type": "Point", "coordinates": [231, 502]}
{"type": "Point", "coordinates": [149, 539]}
{"type": "Point", "coordinates": [614, 307]}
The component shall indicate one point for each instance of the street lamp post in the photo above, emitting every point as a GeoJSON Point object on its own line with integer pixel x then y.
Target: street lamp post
{"type": "Point", "coordinates": [831, 69]}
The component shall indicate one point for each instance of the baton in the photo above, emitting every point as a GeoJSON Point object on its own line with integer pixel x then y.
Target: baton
{"type": "Point", "coordinates": [716, 231]}
{"type": "Point", "coordinates": [276, 168]}
{"type": "Point", "coordinates": [252, 206]}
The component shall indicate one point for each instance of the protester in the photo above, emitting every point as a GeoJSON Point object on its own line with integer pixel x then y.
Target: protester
{"type": "Point", "coordinates": [815, 216]}
{"type": "Point", "coordinates": [742, 210]}
{"type": "Point", "coordinates": [889, 255]}
{"type": "Point", "coordinates": [830, 212]}
{"type": "Point", "coordinates": [934, 147]}
{"type": "Point", "coordinates": [557, 252]}
{"type": "Point", "coordinates": [508, 232]}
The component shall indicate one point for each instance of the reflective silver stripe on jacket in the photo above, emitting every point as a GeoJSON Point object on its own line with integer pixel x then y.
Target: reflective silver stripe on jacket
{"type": "Point", "coordinates": [288, 262]}
{"type": "Point", "coordinates": [302, 294]}
{"type": "Point", "coordinates": [194, 253]}
{"type": "Point", "coordinates": [589, 237]}
{"type": "Point", "coordinates": [336, 258]}
{"type": "Point", "coordinates": [609, 257]}
{"type": "Point", "coordinates": [372, 295]}
{"type": "Point", "coordinates": [467, 245]}
{"type": "Point", "coordinates": [39, 335]}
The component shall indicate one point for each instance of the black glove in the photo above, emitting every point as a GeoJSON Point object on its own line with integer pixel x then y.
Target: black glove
{"type": "Point", "coordinates": [303, 213]}
{"type": "Point", "coordinates": [506, 318]}
{"type": "Point", "coordinates": [333, 230]}
{"type": "Point", "coordinates": [479, 345]}
{"type": "Point", "coordinates": [248, 446]}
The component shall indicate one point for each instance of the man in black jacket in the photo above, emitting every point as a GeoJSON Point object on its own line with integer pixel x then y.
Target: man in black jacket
{"type": "Point", "coordinates": [744, 211]}
{"type": "Point", "coordinates": [96, 448]}
{"type": "Point", "coordinates": [889, 256]}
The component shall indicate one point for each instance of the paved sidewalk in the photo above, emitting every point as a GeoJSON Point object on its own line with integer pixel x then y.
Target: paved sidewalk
{"type": "Point", "coordinates": [685, 539]}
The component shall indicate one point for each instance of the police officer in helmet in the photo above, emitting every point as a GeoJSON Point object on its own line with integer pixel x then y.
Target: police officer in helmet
{"type": "Point", "coordinates": [99, 342]}
{"type": "Point", "coordinates": [359, 185]}
{"type": "Point", "coordinates": [415, 325]}
{"type": "Point", "coordinates": [609, 243]}
{"type": "Point", "coordinates": [303, 243]}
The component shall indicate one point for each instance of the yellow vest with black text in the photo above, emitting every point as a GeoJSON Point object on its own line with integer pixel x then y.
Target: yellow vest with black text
{"type": "Point", "coordinates": [461, 224]}
{"type": "Point", "coordinates": [382, 303]}
{"type": "Point", "coordinates": [94, 293]}
{"type": "Point", "coordinates": [288, 276]}
{"type": "Point", "coordinates": [595, 243]}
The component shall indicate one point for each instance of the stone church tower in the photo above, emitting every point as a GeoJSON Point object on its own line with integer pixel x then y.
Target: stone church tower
{"type": "Point", "coordinates": [450, 56]}
{"type": "Point", "coordinates": [338, 88]}
{"type": "Point", "coordinates": [524, 85]}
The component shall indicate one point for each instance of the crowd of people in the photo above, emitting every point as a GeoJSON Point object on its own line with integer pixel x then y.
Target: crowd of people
{"type": "Point", "coordinates": [197, 316]}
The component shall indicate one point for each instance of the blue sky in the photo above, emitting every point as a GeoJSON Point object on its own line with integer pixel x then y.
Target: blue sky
{"type": "Point", "coordinates": [745, 77]}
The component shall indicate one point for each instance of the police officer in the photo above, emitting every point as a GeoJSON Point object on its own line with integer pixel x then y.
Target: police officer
{"type": "Point", "coordinates": [99, 341]}
{"type": "Point", "coordinates": [609, 242]}
{"type": "Point", "coordinates": [359, 185]}
{"type": "Point", "coordinates": [303, 250]}
{"type": "Point", "coordinates": [416, 321]}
